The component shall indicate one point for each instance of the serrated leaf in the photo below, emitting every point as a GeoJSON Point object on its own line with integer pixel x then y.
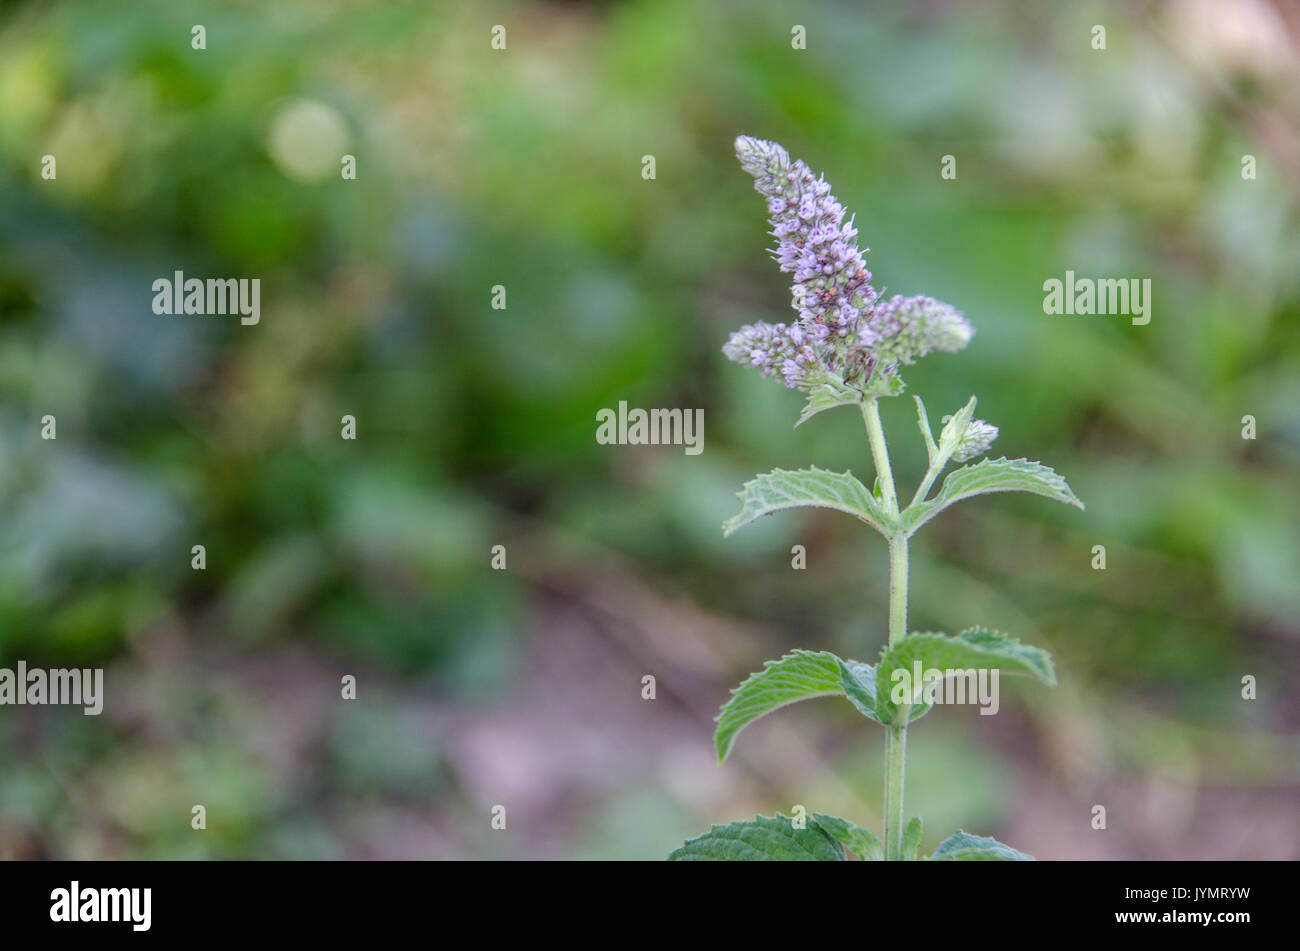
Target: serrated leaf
{"type": "Point", "coordinates": [964, 847]}
{"type": "Point", "coordinates": [912, 840]}
{"type": "Point", "coordinates": [991, 475]}
{"type": "Point", "coordinates": [861, 840]}
{"type": "Point", "coordinates": [827, 396]}
{"type": "Point", "coordinates": [799, 675]}
{"type": "Point", "coordinates": [975, 648]}
{"type": "Point", "coordinates": [764, 839]}
{"type": "Point", "coordinates": [783, 489]}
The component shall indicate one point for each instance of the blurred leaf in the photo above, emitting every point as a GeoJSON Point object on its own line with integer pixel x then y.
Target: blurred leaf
{"type": "Point", "coordinates": [764, 839]}
{"type": "Point", "coordinates": [964, 847]}
{"type": "Point", "coordinates": [862, 841]}
{"type": "Point", "coordinates": [912, 839]}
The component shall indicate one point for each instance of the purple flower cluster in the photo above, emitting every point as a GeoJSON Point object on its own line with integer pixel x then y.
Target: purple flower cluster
{"type": "Point", "coordinates": [831, 288]}
{"type": "Point", "coordinates": [774, 349]}
{"type": "Point", "coordinates": [907, 328]}
{"type": "Point", "coordinates": [839, 336]}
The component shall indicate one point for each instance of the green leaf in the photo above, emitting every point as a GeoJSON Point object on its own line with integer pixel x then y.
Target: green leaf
{"type": "Point", "coordinates": [923, 421]}
{"type": "Point", "coordinates": [990, 475]}
{"type": "Point", "coordinates": [954, 430]}
{"type": "Point", "coordinates": [964, 847]}
{"type": "Point", "coordinates": [976, 648]}
{"type": "Point", "coordinates": [827, 396]}
{"type": "Point", "coordinates": [884, 384]}
{"type": "Point", "coordinates": [912, 840]}
{"type": "Point", "coordinates": [765, 839]}
{"type": "Point", "coordinates": [861, 840]}
{"type": "Point", "coordinates": [800, 675]}
{"type": "Point", "coordinates": [781, 489]}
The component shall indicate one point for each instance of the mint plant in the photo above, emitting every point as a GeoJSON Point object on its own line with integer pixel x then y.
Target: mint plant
{"type": "Point", "coordinates": [846, 348]}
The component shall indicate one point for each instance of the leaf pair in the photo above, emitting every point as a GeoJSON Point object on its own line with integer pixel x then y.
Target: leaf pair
{"type": "Point", "coordinates": [803, 675]}
{"type": "Point", "coordinates": [822, 838]}
{"type": "Point", "coordinates": [783, 489]}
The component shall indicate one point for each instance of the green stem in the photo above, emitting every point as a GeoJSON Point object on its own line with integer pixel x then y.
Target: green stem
{"type": "Point", "coordinates": [895, 766]}
{"type": "Point", "coordinates": [896, 742]}
{"type": "Point", "coordinates": [897, 589]}
{"type": "Point", "coordinates": [880, 454]}
{"type": "Point", "coordinates": [924, 488]}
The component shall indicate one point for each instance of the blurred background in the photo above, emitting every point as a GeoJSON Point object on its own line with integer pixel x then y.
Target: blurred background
{"type": "Point", "coordinates": [475, 427]}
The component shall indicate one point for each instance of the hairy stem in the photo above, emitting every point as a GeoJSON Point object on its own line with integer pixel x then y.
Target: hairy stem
{"type": "Point", "coordinates": [880, 454]}
{"type": "Point", "coordinates": [924, 488]}
{"type": "Point", "coordinates": [895, 766]}
{"type": "Point", "coordinates": [896, 742]}
{"type": "Point", "coordinates": [897, 589]}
